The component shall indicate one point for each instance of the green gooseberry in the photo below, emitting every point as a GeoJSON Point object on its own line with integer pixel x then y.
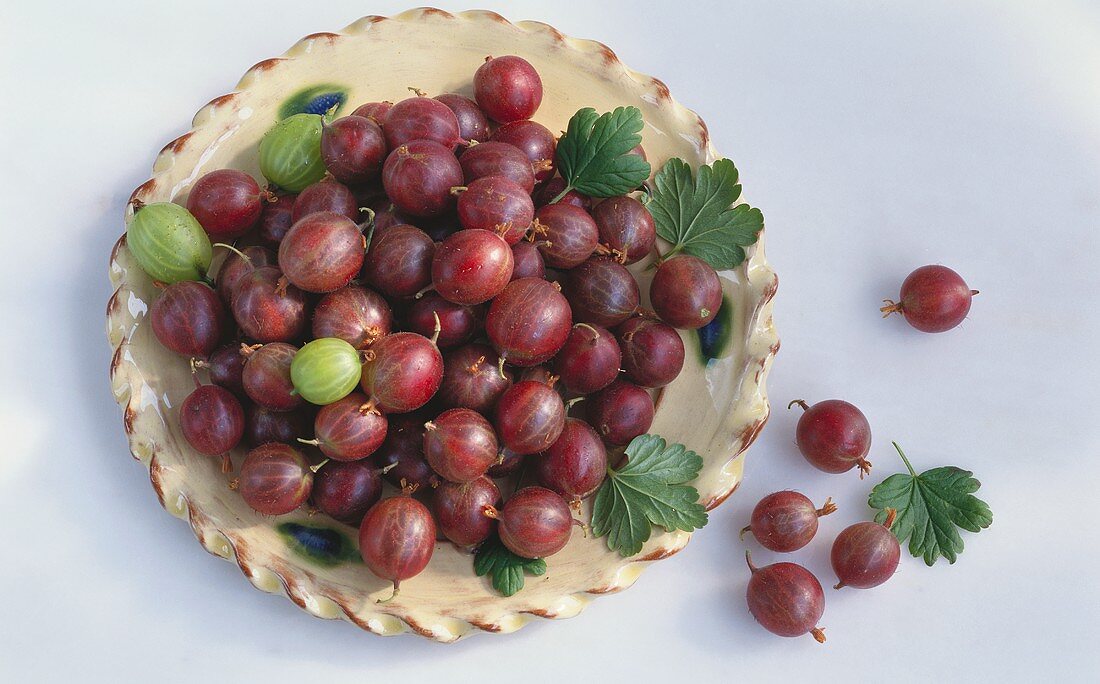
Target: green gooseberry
{"type": "Point", "coordinates": [325, 370]}
{"type": "Point", "coordinates": [290, 153]}
{"type": "Point", "coordinates": [168, 243]}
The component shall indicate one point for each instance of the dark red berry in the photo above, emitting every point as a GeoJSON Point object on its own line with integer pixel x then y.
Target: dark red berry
{"type": "Point", "coordinates": [354, 314]}
{"type": "Point", "coordinates": [402, 372]}
{"type": "Point", "coordinates": [786, 599]}
{"type": "Point", "coordinates": [472, 124]}
{"type": "Point", "coordinates": [626, 228]}
{"type": "Point", "coordinates": [322, 252]}
{"type": "Point", "coordinates": [534, 523]}
{"type": "Point", "coordinates": [460, 445]}
{"type": "Point", "coordinates": [527, 261]}
{"type": "Point", "coordinates": [534, 140]}
{"type": "Point", "coordinates": [354, 149]}
{"type": "Point", "coordinates": [834, 436]}
{"type": "Point", "coordinates": [686, 292]}
{"type": "Point", "coordinates": [421, 118]}
{"type": "Point", "coordinates": [346, 491]}
{"type": "Point", "coordinates": [786, 521]}
{"type": "Point", "coordinates": [653, 352]}
{"type": "Point", "coordinates": [528, 322]}
{"type": "Point", "coordinates": [460, 510]}
{"type": "Point", "coordinates": [227, 203]}
{"type": "Point", "coordinates": [507, 88]}
{"type": "Point", "coordinates": [268, 308]}
{"type": "Point", "coordinates": [326, 195]}
{"type": "Point", "coordinates": [188, 318]}
{"type": "Point", "coordinates": [418, 177]}
{"type": "Point", "coordinates": [529, 416]}
{"type": "Point", "coordinates": [575, 465]}
{"type": "Point", "coordinates": [212, 420]}
{"type": "Point", "coordinates": [566, 235]}
{"type": "Point", "coordinates": [498, 159]}
{"type": "Point", "coordinates": [399, 263]}
{"type": "Point", "coordinates": [933, 299]}
{"type": "Point", "coordinates": [275, 479]}
{"type": "Point", "coordinates": [589, 360]}
{"type": "Point", "coordinates": [620, 412]}
{"type": "Point", "coordinates": [497, 204]}
{"type": "Point", "coordinates": [266, 377]}
{"type": "Point", "coordinates": [472, 379]}
{"type": "Point", "coordinates": [471, 266]}
{"type": "Point", "coordinates": [601, 292]}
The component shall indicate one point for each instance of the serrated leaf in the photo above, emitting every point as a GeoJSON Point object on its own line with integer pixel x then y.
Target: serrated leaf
{"type": "Point", "coordinates": [930, 509]}
{"type": "Point", "coordinates": [649, 490]}
{"type": "Point", "coordinates": [696, 213]}
{"type": "Point", "coordinates": [594, 153]}
{"type": "Point", "coordinates": [505, 568]}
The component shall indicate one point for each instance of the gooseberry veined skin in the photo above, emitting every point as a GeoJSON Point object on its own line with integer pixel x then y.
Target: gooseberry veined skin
{"type": "Point", "coordinates": [458, 323]}
{"type": "Point", "coordinates": [686, 292]}
{"type": "Point", "coordinates": [534, 140]}
{"type": "Point", "coordinates": [418, 177]}
{"type": "Point", "coordinates": [550, 190]}
{"type": "Point", "coordinates": [269, 309]}
{"type": "Point", "coordinates": [264, 425]}
{"type": "Point", "coordinates": [460, 445]}
{"type": "Point", "coordinates": [589, 360]}
{"type": "Point", "coordinates": [402, 372]}
{"type": "Point", "coordinates": [653, 352]}
{"type": "Point", "coordinates": [934, 299]}
{"type": "Point", "coordinates": [275, 479]}
{"type": "Point", "coordinates": [276, 218]}
{"type": "Point", "coordinates": [472, 379]}
{"type": "Point", "coordinates": [620, 412]}
{"type": "Point", "coordinates": [267, 379]}
{"type": "Point", "coordinates": [786, 521]}
{"type": "Point", "coordinates": [535, 523]}
{"type": "Point", "coordinates": [235, 267]}
{"type": "Point", "coordinates": [528, 322]}
{"type": "Point", "coordinates": [212, 420]}
{"type": "Point", "coordinates": [397, 538]}
{"type": "Point", "coordinates": [786, 599]}
{"type": "Point", "coordinates": [346, 490]}
{"type": "Point", "coordinates": [459, 509]}
{"type": "Point", "coordinates": [566, 235]}
{"type": "Point", "coordinates": [490, 159]}
{"type": "Point", "coordinates": [226, 367]}
{"type": "Point", "coordinates": [865, 555]}
{"type": "Point", "coordinates": [601, 292]}
{"type": "Point", "coordinates": [403, 452]}
{"type": "Point", "coordinates": [353, 149]}
{"type": "Point", "coordinates": [375, 111]}
{"type": "Point", "coordinates": [326, 370]}
{"type": "Point", "coordinates": [322, 252]}
{"type": "Point", "coordinates": [349, 429]}
{"type": "Point", "coordinates": [188, 318]}
{"type": "Point", "coordinates": [399, 262]}
{"type": "Point", "coordinates": [472, 124]}
{"type": "Point", "coordinates": [507, 88]}
{"type": "Point", "coordinates": [527, 261]}
{"type": "Point", "coordinates": [168, 243]}
{"type": "Point", "coordinates": [575, 465]}
{"type": "Point", "coordinates": [421, 118]}
{"type": "Point", "coordinates": [227, 203]}
{"type": "Point", "coordinates": [834, 436]}
{"type": "Point", "coordinates": [472, 266]}
{"type": "Point", "coordinates": [496, 204]}
{"type": "Point", "coordinates": [529, 416]}
{"type": "Point", "coordinates": [290, 153]}
{"type": "Point", "coordinates": [626, 227]}
{"type": "Point", "coordinates": [325, 195]}
{"type": "Point", "coordinates": [386, 216]}
{"type": "Point", "coordinates": [355, 314]}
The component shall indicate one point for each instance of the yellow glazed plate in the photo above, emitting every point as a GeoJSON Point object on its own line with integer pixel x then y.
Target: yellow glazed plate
{"type": "Point", "coordinates": [716, 407]}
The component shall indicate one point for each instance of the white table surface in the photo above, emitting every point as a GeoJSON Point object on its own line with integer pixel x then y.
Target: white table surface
{"type": "Point", "coordinates": [875, 139]}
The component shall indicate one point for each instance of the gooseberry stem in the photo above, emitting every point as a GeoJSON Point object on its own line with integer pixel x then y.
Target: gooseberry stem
{"type": "Point", "coordinates": [800, 402]}
{"type": "Point", "coordinates": [317, 467]}
{"type": "Point", "coordinates": [827, 507]}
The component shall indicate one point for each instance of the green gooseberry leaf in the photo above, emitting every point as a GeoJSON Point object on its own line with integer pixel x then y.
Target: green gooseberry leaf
{"type": "Point", "coordinates": [169, 243]}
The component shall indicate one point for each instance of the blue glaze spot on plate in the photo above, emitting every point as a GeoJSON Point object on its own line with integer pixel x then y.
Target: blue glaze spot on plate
{"type": "Point", "coordinates": [316, 99]}
{"type": "Point", "coordinates": [322, 545]}
{"type": "Point", "coordinates": [714, 337]}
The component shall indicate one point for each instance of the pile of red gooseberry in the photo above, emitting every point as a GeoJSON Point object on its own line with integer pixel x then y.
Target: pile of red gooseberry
{"type": "Point", "coordinates": [416, 299]}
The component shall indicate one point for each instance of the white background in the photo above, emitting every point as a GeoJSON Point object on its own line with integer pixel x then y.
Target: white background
{"type": "Point", "coordinates": [876, 137]}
